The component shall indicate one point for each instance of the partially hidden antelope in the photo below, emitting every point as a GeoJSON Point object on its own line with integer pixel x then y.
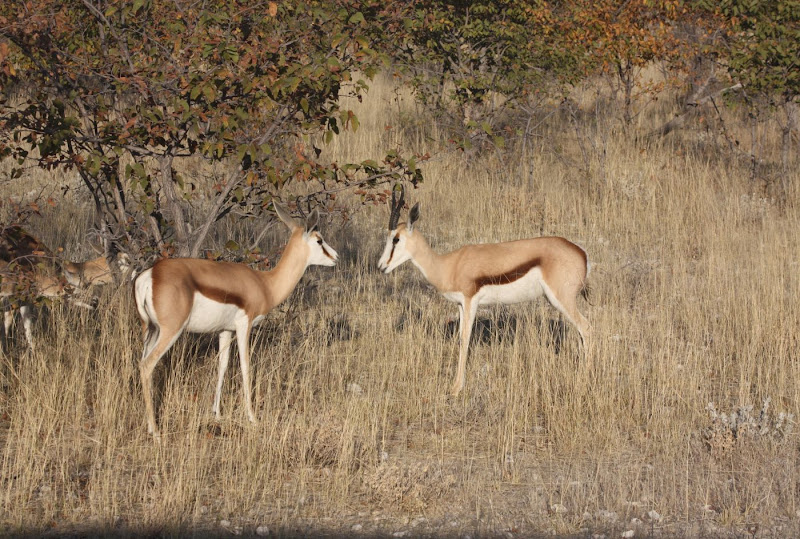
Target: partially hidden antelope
{"type": "Point", "coordinates": [27, 271]}
{"type": "Point", "coordinates": [483, 274]}
{"type": "Point", "coordinates": [204, 296]}
{"type": "Point", "coordinates": [95, 272]}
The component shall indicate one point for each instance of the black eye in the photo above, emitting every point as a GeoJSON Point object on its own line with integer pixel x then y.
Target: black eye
{"type": "Point", "coordinates": [396, 239]}
{"type": "Point", "coordinates": [319, 241]}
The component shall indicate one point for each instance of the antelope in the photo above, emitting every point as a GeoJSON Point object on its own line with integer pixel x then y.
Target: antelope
{"type": "Point", "coordinates": [204, 296]}
{"type": "Point", "coordinates": [26, 269]}
{"type": "Point", "coordinates": [28, 266]}
{"type": "Point", "coordinates": [94, 272]}
{"type": "Point", "coordinates": [496, 273]}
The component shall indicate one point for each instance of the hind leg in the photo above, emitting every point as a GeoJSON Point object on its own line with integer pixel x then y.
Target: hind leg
{"type": "Point", "coordinates": [157, 343]}
{"type": "Point", "coordinates": [566, 303]}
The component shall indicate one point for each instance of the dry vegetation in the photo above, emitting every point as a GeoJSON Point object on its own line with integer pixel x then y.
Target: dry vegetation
{"type": "Point", "coordinates": [695, 288]}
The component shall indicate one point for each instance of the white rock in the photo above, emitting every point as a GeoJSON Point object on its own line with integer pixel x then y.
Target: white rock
{"type": "Point", "coordinates": [399, 534]}
{"type": "Point", "coordinates": [357, 527]}
{"type": "Point", "coordinates": [628, 534]}
{"type": "Point", "coordinates": [558, 508]}
{"type": "Point", "coordinates": [225, 523]}
{"type": "Point", "coordinates": [635, 521]}
{"type": "Point", "coordinates": [653, 515]}
{"type": "Point", "coordinates": [604, 514]}
{"type": "Point", "coordinates": [262, 531]}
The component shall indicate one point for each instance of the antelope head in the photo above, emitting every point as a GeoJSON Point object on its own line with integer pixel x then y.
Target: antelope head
{"type": "Point", "coordinates": [399, 242]}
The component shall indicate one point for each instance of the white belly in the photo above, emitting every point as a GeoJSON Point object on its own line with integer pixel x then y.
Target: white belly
{"type": "Point", "coordinates": [455, 297]}
{"type": "Point", "coordinates": [209, 316]}
{"type": "Point", "coordinates": [526, 288]}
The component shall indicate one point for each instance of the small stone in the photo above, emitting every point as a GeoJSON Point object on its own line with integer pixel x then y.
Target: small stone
{"type": "Point", "coordinates": [629, 534]}
{"type": "Point", "coordinates": [653, 515]}
{"type": "Point", "coordinates": [357, 527]}
{"type": "Point", "coordinates": [225, 523]}
{"type": "Point", "coordinates": [262, 531]}
{"type": "Point", "coordinates": [355, 389]}
{"type": "Point", "coordinates": [558, 509]}
{"type": "Point", "coordinates": [399, 534]}
{"type": "Point", "coordinates": [606, 515]}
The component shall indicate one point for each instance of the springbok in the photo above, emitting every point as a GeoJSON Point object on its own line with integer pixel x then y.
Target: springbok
{"type": "Point", "coordinates": [204, 296]}
{"type": "Point", "coordinates": [94, 272]}
{"type": "Point", "coordinates": [507, 272]}
{"type": "Point", "coordinates": [27, 270]}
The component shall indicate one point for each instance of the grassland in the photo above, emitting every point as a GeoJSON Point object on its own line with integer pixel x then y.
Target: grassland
{"type": "Point", "coordinates": [694, 302]}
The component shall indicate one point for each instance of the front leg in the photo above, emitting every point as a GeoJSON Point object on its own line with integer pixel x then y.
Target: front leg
{"type": "Point", "coordinates": [26, 313]}
{"type": "Point", "coordinates": [225, 339]}
{"type": "Point", "coordinates": [243, 327]}
{"type": "Point", "coordinates": [467, 312]}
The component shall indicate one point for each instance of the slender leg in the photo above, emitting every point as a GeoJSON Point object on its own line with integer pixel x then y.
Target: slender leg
{"type": "Point", "coordinates": [8, 320]}
{"type": "Point", "coordinates": [467, 312]}
{"type": "Point", "coordinates": [566, 303]}
{"type": "Point", "coordinates": [25, 312]}
{"type": "Point", "coordinates": [225, 339]}
{"type": "Point", "coordinates": [154, 349]}
{"type": "Point", "coordinates": [242, 339]}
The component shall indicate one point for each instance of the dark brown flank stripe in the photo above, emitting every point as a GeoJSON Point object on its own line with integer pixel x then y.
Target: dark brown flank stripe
{"type": "Point", "coordinates": [508, 277]}
{"type": "Point", "coordinates": [220, 296]}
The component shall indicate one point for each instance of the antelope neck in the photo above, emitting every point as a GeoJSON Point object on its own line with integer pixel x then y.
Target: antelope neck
{"type": "Point", "coordinates": [289, 269]}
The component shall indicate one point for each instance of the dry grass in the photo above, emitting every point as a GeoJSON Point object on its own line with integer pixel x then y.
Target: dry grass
{"type": "Point", "coordinates": [695, 293]}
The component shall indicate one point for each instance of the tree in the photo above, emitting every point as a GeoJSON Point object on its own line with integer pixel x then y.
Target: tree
{"type": "Point", "coordinates": [123, 91]}
{"type": "Point", "coordinates": [762, 50]}
{"type": "Point", "coordinates": [475, 63]}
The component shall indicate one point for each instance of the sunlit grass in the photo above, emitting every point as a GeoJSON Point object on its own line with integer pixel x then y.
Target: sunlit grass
{"type": "Point", "coordinates": [694, 288]}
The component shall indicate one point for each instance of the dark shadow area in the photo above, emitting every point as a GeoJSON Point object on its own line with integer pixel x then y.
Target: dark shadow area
{"type": "Point", "coordinates": [499, 328]}
{"type": "Point", "coordinates": [503, 327]}
{"type": "Point", "coordinates": [339, 329]}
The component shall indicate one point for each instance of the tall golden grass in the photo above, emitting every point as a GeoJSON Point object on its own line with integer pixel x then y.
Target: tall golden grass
{"type": "Point", "coordinates": [694, 301]}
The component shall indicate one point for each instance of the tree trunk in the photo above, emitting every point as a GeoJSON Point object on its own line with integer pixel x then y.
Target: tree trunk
{"type": "Point", "coordinates": [174, 207]}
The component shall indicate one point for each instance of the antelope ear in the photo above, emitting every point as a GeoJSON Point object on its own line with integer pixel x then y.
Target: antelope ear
{"type": "Point", "coordinates": [413, 215]}
{"type": "Point", "coordinates": [312, 221]}
{"type": "Point", "coordinates": [285, 216]}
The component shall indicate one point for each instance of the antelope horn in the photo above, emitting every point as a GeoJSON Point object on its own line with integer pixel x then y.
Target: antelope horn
{"type": "Point", "coordinates": [397, 206]}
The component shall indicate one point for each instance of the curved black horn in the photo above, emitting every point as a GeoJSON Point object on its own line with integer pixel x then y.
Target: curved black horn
{"type": "Point", "coordinates": [397, 206]}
